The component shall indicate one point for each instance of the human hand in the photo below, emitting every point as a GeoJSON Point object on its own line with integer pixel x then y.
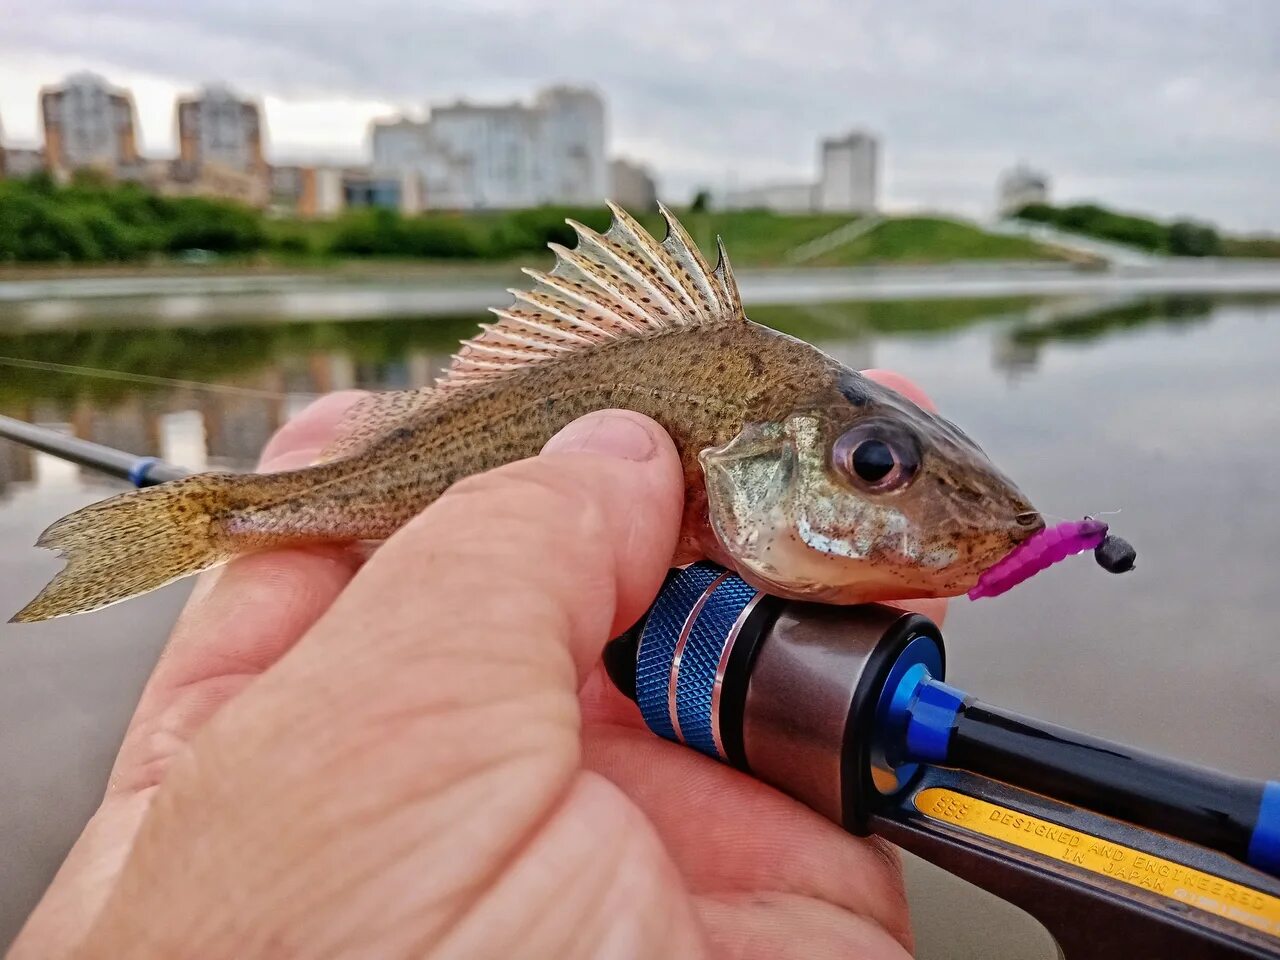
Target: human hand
{"type": "Point", "coordinates": [405, 770]}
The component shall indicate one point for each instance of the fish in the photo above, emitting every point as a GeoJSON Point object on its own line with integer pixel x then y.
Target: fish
{"type": "Point", "coordinates": [810, 480]}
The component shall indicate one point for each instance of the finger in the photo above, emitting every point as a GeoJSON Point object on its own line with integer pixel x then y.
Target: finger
{"type": "Point", "coordinates": [574, 543]}
{"type": "Point", "coordinates": [236, 624]}
{"type": "Point", "coordinates": [935, 610]}
{"type": "Point", "coordinates": [239, 620]}
{"type": "Point", "coordinates": [309, 432]}
{"type": "Point", "coordinates": [777, 925]}
{"type": "Point", "coordinates": [903, 385]}
{"type": "Point", "coordinates": [732, 835]}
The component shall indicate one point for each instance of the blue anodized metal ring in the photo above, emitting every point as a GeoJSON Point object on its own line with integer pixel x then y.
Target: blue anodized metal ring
{"type": "Point", "coordinates": [684, 650]}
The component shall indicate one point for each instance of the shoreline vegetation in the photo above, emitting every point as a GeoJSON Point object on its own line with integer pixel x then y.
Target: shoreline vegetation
{"type": "Point", "coordinates": [91, 225]}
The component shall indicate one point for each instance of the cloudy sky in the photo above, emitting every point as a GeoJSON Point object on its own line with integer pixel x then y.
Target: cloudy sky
{"type": "Point", "coordinates": [1165, 106]}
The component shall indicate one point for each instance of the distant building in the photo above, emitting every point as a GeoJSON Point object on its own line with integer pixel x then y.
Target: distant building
{"type": "Point", "coordinates": [848, 174]}
{"type": "Point", "coordinates": [573, 145]}
{"type": "Point", "coordinates": [216, 128]}
{"type": "Point", "coordinates": [173, 178]}
{"type": "Point", "coordinates": [90, 125]}
{"type": "Point", "coordinates": [386, 190]}
{"type": "Point", "coordinates": [307, 191]}
{"type": "Point", "coordinates": [778, 197]}
{"type": "Point", "coordinates": [220, 149]}
{"type": "Point", "coordinates": [632, 186]}
{"type": "Point", "coordinates": [471, 156]}
{"type": "Point", "coordinates": [1019, 187]}
{"type": "Point", "coordinates": [18, 163]}
{"type": "Point", "coordinates": [848, 180]}
{"type": "Point", "coordinates": [320, 192]}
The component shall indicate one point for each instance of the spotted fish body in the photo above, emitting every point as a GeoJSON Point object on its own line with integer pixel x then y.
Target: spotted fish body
{"type": "Point", "coordinates": [763, 423]}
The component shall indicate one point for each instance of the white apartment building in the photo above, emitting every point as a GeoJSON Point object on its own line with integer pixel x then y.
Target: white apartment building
{"type": "Point", "coordinates": [475, 156]}
{"type": "Point", "coordinates": [848, 174]}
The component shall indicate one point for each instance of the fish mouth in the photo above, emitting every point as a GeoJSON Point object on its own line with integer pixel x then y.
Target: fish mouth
{"type": "Point", "coordinates": [1038, 552]}
{"type": "Point", "coordinates": [999, 546]}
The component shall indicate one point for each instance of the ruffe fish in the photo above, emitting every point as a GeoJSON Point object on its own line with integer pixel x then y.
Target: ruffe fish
{"type": "Point", "coordinates": [810, 480]}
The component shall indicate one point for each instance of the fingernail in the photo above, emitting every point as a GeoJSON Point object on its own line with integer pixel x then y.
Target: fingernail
{"type": "Point", "coordinates": [610, 434]}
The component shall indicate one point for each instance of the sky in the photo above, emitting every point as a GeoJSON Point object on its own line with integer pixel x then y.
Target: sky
{"type": "Point", "coordinates": [1168, 107]}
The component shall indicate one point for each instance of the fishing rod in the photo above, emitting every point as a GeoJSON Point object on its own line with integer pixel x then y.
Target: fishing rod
{"type": "Point", "coordinates": [139, 471]}
{"type": "Point", "coordinates": [847, 710]}
{"type": "Point", "coordinates": [1120, 854]}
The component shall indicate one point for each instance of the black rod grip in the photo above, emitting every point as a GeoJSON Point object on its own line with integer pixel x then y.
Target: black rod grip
{"type": "Point", "coordinates": [1196, 804]}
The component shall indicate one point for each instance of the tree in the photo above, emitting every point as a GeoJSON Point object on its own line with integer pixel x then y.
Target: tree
{"type": "Point", "coordinates": [1188, 238]}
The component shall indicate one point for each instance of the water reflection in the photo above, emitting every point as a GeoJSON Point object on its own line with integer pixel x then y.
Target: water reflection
{"type": "Point", "coordinates": [1019, 350]}
{"type": "Point", "coordinates": [226, 389]}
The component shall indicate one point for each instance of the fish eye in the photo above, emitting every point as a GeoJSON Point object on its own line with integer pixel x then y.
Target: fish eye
{"type": "Point", "coordinates": [876, 457]}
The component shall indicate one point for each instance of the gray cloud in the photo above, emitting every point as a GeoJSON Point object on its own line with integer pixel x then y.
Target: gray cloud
{"type": "Point", "coordinates": [1170, 106]}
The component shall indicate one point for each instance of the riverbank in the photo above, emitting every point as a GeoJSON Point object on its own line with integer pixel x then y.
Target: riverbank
{"type": "Point", "coordinates": [378, 290]}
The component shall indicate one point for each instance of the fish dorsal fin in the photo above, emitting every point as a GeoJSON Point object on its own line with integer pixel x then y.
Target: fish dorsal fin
{"type": "Point", "coordinates": [618, 285]}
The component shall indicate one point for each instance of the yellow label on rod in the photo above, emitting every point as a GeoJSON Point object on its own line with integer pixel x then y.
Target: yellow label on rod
{"type": "Point", "coordinates": [1137, 868]}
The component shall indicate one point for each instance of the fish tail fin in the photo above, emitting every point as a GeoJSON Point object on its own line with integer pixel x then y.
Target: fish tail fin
{"type": "Point", "coordinates": [135, 542]}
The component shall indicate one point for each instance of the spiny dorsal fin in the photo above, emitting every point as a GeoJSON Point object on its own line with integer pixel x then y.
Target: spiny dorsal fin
{"type": "Point", "coordinates": [616, 285]}
{"type": "Point", "coordinates": [613, 286]}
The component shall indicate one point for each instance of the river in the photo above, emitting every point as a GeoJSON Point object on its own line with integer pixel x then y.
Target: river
{"type": "Point", "coordinates": [1166, 410]}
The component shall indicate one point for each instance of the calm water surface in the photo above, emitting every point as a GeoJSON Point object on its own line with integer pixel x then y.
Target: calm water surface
{"type": "Point", "coordinates": [1167, 410]}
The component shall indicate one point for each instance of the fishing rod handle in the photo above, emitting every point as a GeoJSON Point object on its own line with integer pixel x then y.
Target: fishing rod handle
{"type": "Point", "coordinates": [842, 706]}
{"type": "Point", "coordinates": [1234, 815]}
{"type": "Point", "coordinates": [757, 682]}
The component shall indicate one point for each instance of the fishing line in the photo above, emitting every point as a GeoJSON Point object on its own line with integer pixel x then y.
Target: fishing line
{"type": "Point", "coordinates": [148, 379]}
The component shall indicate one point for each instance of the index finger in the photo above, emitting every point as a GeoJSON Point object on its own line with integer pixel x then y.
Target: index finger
{"type": "Point", "coordinates": [239, 620]}
{"type": "Point", "coordinates": [935, 610]}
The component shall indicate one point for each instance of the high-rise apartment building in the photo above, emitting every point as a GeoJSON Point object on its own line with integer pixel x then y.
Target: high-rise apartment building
{"type": "Point", "coordinates": [89, 124]}
{"type": "Point", "coordinates": [217, 128]}
{"type": "Point", "coordinates": [848, 174]}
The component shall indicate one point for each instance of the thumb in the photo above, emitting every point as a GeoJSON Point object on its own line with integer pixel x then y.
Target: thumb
{"type": "Point", "coordinates": [427, 726]}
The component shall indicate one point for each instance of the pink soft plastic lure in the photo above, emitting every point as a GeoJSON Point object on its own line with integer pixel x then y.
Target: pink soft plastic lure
{"type": "Point", "coordinates": [1043, 550]}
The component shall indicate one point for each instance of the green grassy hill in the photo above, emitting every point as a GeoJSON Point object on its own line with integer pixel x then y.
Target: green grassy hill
{"type": "Point", "coordinates": [933, 240]}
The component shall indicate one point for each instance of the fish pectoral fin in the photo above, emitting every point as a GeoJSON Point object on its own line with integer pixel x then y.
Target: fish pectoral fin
{"type": "Point", "coordinates": [746, 479]}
